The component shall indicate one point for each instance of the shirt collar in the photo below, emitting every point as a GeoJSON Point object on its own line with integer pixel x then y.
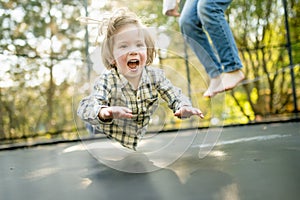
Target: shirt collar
{"type": "Point", "coordinates": [144, 78]}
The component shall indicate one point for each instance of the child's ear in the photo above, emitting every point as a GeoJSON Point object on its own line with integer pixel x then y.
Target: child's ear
{"type": "Point", "coordinates": [113, 63]}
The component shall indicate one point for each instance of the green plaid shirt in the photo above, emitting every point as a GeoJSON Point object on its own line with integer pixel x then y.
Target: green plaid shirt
{"type": "Point", "coordinates": [113, 89]}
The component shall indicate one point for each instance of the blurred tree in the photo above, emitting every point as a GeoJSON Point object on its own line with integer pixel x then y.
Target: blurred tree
{"type": "Point", "coordinates": [39, 42]}
{"type": "Point", "coordinates": [260, 33]}
{"type": "Point", "coordinates": [294, 21]}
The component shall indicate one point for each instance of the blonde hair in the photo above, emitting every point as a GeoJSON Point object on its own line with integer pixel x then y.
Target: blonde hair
{"type": "Point", "coordinates": [112, 24]}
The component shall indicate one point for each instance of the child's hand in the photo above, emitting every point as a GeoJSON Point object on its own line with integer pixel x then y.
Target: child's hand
{"type": "Point", "coordinates": [173, 12]}
{"type": "Point", "coordinates": [116, 112]}
{"type": "Point", "coordinates": [187, 111]}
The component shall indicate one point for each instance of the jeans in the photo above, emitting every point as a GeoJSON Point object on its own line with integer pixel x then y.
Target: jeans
{"type": "Point", "coordinates": [201, 17]}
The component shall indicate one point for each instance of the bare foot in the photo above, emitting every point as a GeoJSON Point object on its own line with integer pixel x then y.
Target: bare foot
{"type": "Point", "coordinates": [231, 79]}
{"type": "Point", "coordinates": [213, 85]}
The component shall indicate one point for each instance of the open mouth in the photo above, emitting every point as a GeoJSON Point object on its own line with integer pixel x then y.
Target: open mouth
{"type": "Point", "coordinates": [133, 64]}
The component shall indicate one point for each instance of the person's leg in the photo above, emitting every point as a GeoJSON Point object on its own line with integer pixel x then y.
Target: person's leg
{"type": "Point", "coordinates": [211, 14]}
{"type": "Point", "coordinates": [212, 17]}
{"type": "Point", "coordinates": [195, 36]}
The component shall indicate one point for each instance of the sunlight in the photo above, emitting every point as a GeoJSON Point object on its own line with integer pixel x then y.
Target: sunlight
{"type": "Point", "coordinates": [18, 14]}
{"type": "Point", "coordinates": [217, 153]}
{"type": "Point", "coordinates": [98, 4]}
{"type": "Point", "coordinates": [44, 46]}
{"type": "Point", "coordinates": [5, 80]}
{"type": "Point", "coordinates": [41, 173]}
{"type": "Point", "coordinates": [63, 71]}
{"type": "Point", "coordinates": [85, 182]}
{"type": "Point", "coordinates": [42, 75]}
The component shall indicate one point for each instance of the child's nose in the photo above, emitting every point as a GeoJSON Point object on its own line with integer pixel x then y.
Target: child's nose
{"type": "Point", "coordinates": [133, 51]}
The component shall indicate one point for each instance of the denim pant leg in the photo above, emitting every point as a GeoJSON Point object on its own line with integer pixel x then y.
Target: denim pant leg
{"type": "Point", "coordinates": [211, 13]}
{"type": "Point", "coordinates": [195, 36]}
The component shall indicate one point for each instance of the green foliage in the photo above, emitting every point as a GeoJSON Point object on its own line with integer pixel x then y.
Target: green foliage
{"type": "Point", "coordinates": [261, 37]}
{"type": "Point", "coordinates": [37, 40]}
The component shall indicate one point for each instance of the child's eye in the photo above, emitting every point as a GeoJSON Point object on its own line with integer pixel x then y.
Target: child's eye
{"type": "Point", "coordinates": [122, 46]}
{"type": "Point", "coordinates": [140, 45]}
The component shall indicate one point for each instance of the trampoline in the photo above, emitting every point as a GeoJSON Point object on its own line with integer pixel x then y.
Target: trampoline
{"type": "Point", "coordinates": [259, 161]}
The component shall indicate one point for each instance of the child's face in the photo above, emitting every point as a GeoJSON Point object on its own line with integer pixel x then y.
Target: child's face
{"type": "Point", "coordinates": [130, 51]}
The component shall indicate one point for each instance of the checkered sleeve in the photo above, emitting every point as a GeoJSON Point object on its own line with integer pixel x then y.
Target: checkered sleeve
{"type": "Point", "coordinates": [90, 106]}
{"type": "Point", "coordinates": [171, 94]}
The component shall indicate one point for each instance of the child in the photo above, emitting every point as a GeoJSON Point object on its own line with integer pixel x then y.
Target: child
{"type": "Point", "coordinates": [125, 97]}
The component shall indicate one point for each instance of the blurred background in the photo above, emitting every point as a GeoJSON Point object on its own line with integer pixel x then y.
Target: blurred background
{"type": "Point", "coordinates": [48, 62]}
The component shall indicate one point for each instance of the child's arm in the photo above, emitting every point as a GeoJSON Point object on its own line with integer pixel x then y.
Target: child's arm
{"type": "Point", "coordinates": [95, 108]}
{"type": "Point", "coordinates": [114, 112]}
{"type": "Point", "coordinates": [177, 101]}
{"type": "Point", "coordinates": [92, 110]}
{"type": "Point", "coordinates": [170, 8]}
{"type": "Point", "coordinates": [188, 111]}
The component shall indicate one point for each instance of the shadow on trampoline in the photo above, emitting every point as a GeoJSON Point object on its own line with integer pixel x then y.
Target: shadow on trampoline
{"type": "Point", "coordinates": [248, 162]}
